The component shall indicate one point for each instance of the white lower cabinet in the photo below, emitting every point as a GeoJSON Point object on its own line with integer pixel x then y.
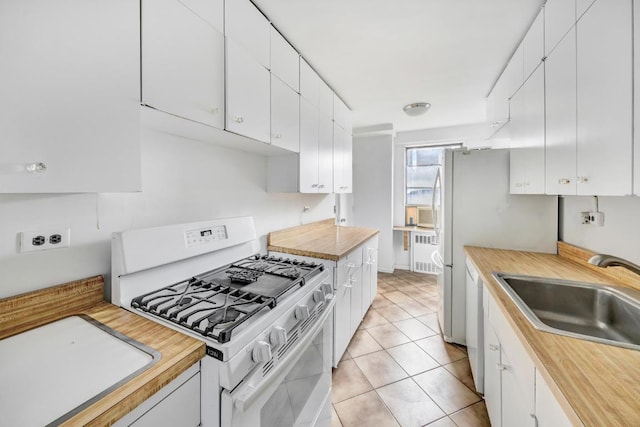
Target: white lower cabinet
{"type": "Point", "coordinates": [354, 279]}
{"type": "Point", "coordinates": [176, 404]}
{"type": "Point", "coordinates": [515, 393]}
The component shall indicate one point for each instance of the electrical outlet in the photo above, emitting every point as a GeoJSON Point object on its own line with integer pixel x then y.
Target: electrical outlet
{"type": "Point", "coordinates": [42, 240]}
{"type": "Point", "coordinates": [585, 217]}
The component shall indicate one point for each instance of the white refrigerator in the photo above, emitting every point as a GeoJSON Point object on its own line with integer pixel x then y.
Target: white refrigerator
{"type": "Point", "coordinates": [477, 209]}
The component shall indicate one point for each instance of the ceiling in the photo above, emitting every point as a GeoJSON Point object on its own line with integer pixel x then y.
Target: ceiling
{"type": "Point", "coordinates": [379, 55]}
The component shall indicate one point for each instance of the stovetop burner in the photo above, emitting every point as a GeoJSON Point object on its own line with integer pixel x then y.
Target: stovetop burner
{"type": "Point", "coordinates": [244, 276]}
{"type": "Point", "coordinates": [215, 303]}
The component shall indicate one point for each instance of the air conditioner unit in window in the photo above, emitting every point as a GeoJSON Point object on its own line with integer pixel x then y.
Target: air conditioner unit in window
{"type": "Point", "coordinates": [425, 216]}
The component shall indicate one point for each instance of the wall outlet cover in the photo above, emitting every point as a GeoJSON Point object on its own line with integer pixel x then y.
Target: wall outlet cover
{"type": "Point", "coordinates": [45, 239]}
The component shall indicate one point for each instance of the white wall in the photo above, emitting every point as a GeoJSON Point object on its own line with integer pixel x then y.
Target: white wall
{"type": "Point", "coordinates": [183, 180]}
{"type": "Point", "coordinates": [620, 234]}
{"type": "Point", "coordinates": [373, 191]}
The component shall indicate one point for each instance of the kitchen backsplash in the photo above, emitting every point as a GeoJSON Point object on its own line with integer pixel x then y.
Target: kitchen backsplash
{"type": "Point", "coordinates": [182, 180]}
{"type": "Point", "coordinates": [620, 234]}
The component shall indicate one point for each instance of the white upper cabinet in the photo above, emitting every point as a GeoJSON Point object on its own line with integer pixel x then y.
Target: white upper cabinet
{"type": "Point", "coordinates": [526, 128]}
{"type": "Point", "coordinates": [342, 114]}
{"type": "Point", "coordinates": [604, 107]}
{"type": "Point", "coordinates": [310, 83]}
{"type": "Point", "coordinates": [559, 17]}
{"type": "Point", "coordinates": [70, 103]}
{"type": "Point", "coordinates": [308, 147]}
{"type": "Point", "coordinates": [342, 160]}
{"type": "Point", "coordinates": [325, 154]}
{"type": "Point", "coordinates": [514, 72]}
{"type": "Point", "coordinates": [582, 6]}
{"type": "Point", "coordinates": [211, 11]}
{"type": "Point", "coordinates": [560, 110]}
{"type": "Point", "coordinates": [285, 61]}
{"type": "Point", "coordinates": [636, 110]}
{"type": "Point", "coordinates": [183, 60]}
{"type": "Point", "coordinates": [508, 83]}
{"type": "Point", "coordinates": [533, 45]}
{"type": "Point", "coordinates": [285, 116]}
{"type": "Point", "coordinates": [248, 28]}
{"type": "Point", "coordinates": [248, 95]}
{"type": "Point", "coordinates": [325, 100]}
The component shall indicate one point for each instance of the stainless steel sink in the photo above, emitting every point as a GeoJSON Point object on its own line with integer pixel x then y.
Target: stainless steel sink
{"type": "Point", "coordinates": [588, 311]}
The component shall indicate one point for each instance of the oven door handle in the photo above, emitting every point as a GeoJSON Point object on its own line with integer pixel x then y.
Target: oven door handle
{"type": "Point", "coordinates": [246, 399]}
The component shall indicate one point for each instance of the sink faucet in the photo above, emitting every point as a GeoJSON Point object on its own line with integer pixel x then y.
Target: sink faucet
{"type": "Point", "coordinates": [603, 260]}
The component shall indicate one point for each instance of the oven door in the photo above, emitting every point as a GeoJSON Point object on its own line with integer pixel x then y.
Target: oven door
{"type": "Point", "coordinates": [296, 392]}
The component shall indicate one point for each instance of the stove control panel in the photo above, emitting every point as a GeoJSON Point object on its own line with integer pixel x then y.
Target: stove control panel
{"type": "Point", "coordinates": [205, 235]}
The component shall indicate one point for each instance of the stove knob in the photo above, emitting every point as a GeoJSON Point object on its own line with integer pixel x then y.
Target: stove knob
{"type": "Point", "coordinates": [278, 336]}
{"type": "Point", "coordinates": [261, 352]}
{"type": "Point", "coordinates": [302, 312]}
{"type": "Point", "coordinates": [318, 295]}
{"type": "Point", "coordinates": [327, 288]}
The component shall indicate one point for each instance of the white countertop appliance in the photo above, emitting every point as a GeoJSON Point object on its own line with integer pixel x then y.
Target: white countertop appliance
{"type": "Point", "coordinates": [266, 321]}
{"type": "Point", "coordinates": [474, 207]}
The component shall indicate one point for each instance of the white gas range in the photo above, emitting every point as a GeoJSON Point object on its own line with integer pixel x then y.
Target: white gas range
{"type": "Point", "coordinates": [266, 321]}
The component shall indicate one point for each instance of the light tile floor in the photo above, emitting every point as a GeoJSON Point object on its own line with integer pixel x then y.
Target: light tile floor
{"type": "Point", "coordinates": [398, 371]}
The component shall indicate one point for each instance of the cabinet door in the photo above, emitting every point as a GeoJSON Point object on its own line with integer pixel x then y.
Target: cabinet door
{"type": "Point", "coordinates": [549, 413]}
{"type": "Point", "coordinates": [560, 106]}
{"type": "Point", "coordinates": [338, 159]}
{"type": "Point", "coordinates": [517, 150]}
{"type": "Point", "coordinates": [342, 322]}
{"type": "Point", "coordinates": [605, 89]}
{"type": "Point", "coordinates": [559, 17]}
{"type": "Point", "coordinates": [248, 28]}
{"type": "Point", "coordinates": [582, 6]}
{"type": "Point", "coordinates": [248, 95]}
{"type": "Point", "coordinates": [309, 83]}
{"type": "Point", "coordinates": [212, 11]}
{"type": "Point", "coordinates": [308, 147]}
{"type": "Point", "coordinates": [534, 142]}
{"type": "Point", "coordinates": [285, 116]}
{"type": "Point", "coordinates": [492, 383]}
{"type": "Point", "coordinates": [182, 63]}
{"type": "Point", "coordinates": [355, 281]}
{"type": "Point", "coordinates": [325, 155]}
{"type": "Point", "coordinates": [70, 96]}
{"type": "Point", "coordinates": [325, 100]}
{"type": "Point", "coordinates": [285, 61]}
{"type": "Point", "coordinates": [533, 45]}
{"type": "Point", "coordinates": [347, 179]}
{"type": "Point", "coordinates": [516, 410]}
{"type": "Point", "coordinates": [636, 97]}
{"type": "Point", "coordinates": [342, 114]}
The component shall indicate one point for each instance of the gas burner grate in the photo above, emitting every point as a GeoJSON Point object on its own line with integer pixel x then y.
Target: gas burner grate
{"type": "Point", "coordinates": [210, 309]}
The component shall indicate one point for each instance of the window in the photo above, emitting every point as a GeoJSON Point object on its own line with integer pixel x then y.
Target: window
{"type": "Point", "coordinates": [422, 165]}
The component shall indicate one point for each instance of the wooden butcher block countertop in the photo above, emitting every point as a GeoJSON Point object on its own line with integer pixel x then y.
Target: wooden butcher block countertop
{"type": "Point", "coordinates": [178, 351]}
{"type": "Point", "coordinates": [596, 384]}
{"type": "Point", "coordinates": [322, 239]}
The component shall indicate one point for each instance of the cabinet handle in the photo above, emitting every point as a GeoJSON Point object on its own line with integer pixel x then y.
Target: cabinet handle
{"type": "Point", "coordinates": [564, 181]}
{"type": "Point", "coordinates": [352, 280]}
{"type": "Point", "coordinates": [314, 185]}
{"type": "Point", "coordinates": [277, 135]}
{"type": "Point", "coordinates": [518, 184]}
{"type": "Point", "coordinates": [501, 367]}
{"type": "Point", "coordinates": [215, 110]}
{"type": "Point", "coordinates": [238, 119]}
{"type": "Point", "coordinates": [347, 286]}
{"type": "Point", "coordinates": [527, 184]}
{"type": "Point", "coordinates": [493, 347]}
{"type": "Point", "coordinates": [351, 265]}
{"type": "Point", "coordinates": [36, 167]}
{"type": "Point", "coordinates": [535, 419]}
{"type": "Point", "coordinates": [583, 179]}
{"type": "Point", "coordinates": [320, 185]}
